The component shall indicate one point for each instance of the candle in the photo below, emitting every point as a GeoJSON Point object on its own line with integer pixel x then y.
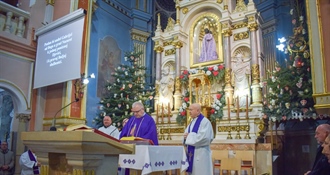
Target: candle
{"type": "Point", "coordinates": [237, 102]}
{"type": "Point", "coordinates": [162, 113]}
{"type": "Point", "coordinates": [227, 100]}
{"type": "Point", "coordinates": [157, 113]}
{"type": "Point", "coordinates": [247, 107]}
{"type": "Point", "coordinates": [169, 113]}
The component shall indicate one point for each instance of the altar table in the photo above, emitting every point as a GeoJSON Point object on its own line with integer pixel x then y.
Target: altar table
{"type": "Point", "coordinates": [149, 158]}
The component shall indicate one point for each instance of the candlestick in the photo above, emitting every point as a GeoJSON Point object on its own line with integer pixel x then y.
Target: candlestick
{"type": "Point", "coordinates": [162, 113]}
{"type": "Point", "coordinates": [237, 111]}
{"type": "Point", "coordinates": [157, 114]}
{"type": "Point", "coordinates": [228, 107]}
{"type": "Point", "coordinates": [247, 107]}
{"type": "Point", "coordinates": [169, 113]}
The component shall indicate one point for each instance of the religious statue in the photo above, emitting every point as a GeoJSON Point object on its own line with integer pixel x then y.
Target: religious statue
{"type": "Point", "coordinates": [241, 80]}
{"type": "Point", "coordinates": [209, 47]}
{"type": "Point", "coordinates": [166, 87]}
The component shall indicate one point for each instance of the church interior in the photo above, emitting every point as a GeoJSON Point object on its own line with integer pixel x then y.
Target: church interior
{"type": "Point", "coordinates": [256, 67]}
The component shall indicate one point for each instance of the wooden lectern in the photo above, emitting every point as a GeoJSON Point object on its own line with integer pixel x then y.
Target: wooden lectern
{"type": "Point", "coordinates": [75, 152]}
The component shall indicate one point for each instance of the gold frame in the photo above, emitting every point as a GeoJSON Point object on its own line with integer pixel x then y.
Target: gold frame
{"type": "Point", "coordinates": [196, 29]}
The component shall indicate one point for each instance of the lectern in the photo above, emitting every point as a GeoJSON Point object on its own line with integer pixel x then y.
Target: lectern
{"type": "Point", "coordinates": [75, 152]}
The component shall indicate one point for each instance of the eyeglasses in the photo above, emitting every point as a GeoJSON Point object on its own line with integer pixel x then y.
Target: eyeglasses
{"type": "Point", "coordinates": [137, 111]}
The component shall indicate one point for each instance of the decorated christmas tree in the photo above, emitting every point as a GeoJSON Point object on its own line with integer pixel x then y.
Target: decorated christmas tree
{"type": "Point", "coordinates": [289, 86]}
{"type": "Point", "coordinates": [129, 87]}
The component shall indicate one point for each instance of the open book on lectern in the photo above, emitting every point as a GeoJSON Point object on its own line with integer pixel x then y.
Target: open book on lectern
{"type": "Point", "coordinates": [82, 127]}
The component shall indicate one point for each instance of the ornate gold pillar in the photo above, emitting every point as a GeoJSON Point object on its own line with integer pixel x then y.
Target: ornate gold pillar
{"type": "Point", "coordinates": [177, 94]}
{"type": "Point", "coordinates": [256, 88]}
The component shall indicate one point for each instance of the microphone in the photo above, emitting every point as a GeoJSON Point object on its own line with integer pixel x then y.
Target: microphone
{"type": "Point", "coordinates": [53, 128]}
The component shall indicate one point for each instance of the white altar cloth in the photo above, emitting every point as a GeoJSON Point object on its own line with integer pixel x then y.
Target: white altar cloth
{"type": "Point", "coordinates": [155, 158]}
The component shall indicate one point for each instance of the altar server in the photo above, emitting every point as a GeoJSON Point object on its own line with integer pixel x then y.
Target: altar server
{"type": "Point", "coordinates": [140, 125]}
{"type": "Point", "coordinates": [108, 129]}
{"type": "Point", "coordinates": [29, 163]}
{"type": "Point", "coordinates": [198, 137]}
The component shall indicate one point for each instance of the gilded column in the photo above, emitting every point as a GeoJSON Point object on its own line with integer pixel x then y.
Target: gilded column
{"type": "Point", "coordinates": [177, 12]}
{"type": "Point", "coordinates": [256, 88]}
{"type": "Point", "coordinates": [228, 87]}
{"type": "Point", "coordinates": [177, 94]}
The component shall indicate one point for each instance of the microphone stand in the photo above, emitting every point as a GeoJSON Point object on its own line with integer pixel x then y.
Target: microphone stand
{"type": "Point", "coordinates": [53, 127]}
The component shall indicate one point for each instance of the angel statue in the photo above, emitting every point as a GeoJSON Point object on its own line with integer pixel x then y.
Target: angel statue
{"type": "Point", "coordinates": [241, 79]}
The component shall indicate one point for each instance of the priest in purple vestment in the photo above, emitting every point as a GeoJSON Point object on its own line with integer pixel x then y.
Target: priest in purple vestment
{"type": "Point", "coordinates": [198, 137]}
{"type": "Point", "coordinates": [140, 125]}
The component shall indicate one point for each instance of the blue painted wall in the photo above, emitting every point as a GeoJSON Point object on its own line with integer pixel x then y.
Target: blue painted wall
{"type": "Point", "coordinates": [115, 19]}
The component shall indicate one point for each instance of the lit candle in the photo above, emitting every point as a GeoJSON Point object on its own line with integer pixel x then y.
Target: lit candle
{"type": "Point", "coordinates": [247, 107]}
{"type": "Point", "coordinates": [162, 113]}
{"type": "Point", "coordinates": [237, 102]}
{"type": "Point", "coordinates": [169, 113]}
{"type": "Point", "coordinates": [228, 107]}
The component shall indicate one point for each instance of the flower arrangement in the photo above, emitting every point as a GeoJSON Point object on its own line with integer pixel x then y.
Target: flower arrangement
{"type": "Point", "coordinates": [183, 109]}
{"type": "Point", "coordinates": [217, 106]}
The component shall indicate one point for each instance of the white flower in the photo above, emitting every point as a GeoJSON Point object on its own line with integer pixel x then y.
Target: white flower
{"type": "Point", "coordinates": [126, 73]}
{"type": "Point", "coordinates": [217, 108]}
{"type": "Point", "coordinates": [217, 102]}
{"type": "Point", "coordinates": [213, 106]}
{"type": "Point", "coordinates": [180, 109]}
{"type": "Point", "coordinates": [215, 68]}
{"type": "Point", "coordinates": [208, 72]}
{"type": "Point", "coordinates": [184, 105]}
{"type": "Point", "coordinates": [118, 80]}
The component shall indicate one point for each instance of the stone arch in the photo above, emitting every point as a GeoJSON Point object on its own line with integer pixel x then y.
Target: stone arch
{"type": "Point", "coordinates": [19, 100]}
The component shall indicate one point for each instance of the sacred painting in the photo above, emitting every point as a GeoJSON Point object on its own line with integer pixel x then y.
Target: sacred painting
{"type": "Point", "coordinates": [206, 41]}
{"type": "Point", "coordinates": [109, 59]}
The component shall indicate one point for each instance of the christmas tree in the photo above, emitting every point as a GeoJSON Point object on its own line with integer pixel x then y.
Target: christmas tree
{"type": "Point", "coordinates": [129, 87]}
{"type": "Point", "coordinates": [290, 86]}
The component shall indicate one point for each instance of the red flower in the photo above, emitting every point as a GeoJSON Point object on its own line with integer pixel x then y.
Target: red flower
{"type": "Point", "coordinates": [185, 72]}
{"type": "Point", "coordinates": [183, 113]}
{"type": "Point", "coordinates": [215, 73]}
{"type": "Point", "coordinates": [218, 96]}
{"type": "Point", "coordinates": [212, 111]}
{"type": "Point", "coordinates": [210, 68]}
{"type": "Point", "coordinates": [220, 67]}
{"type": "Point", "coordinates": [181, 76]}
{"type": "Point", "coordinates": [186, 99]}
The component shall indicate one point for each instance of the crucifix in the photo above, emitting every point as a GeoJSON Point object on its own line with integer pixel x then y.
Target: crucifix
{"type": "Point", "coordinates": [190, 154]}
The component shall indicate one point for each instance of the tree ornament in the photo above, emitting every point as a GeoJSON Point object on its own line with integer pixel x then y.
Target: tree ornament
{"type": "Point", "coordinates": [306, 91]}
{"type": "Point", "coordinates": [297, 61]}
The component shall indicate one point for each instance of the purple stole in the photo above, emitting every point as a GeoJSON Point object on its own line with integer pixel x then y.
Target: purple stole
{"type": "Point", "coordinates": [32, 158]}
{"type": "Point", "coordinates": [191, 149]}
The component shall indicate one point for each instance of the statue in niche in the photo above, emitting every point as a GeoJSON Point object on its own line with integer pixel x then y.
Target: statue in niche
{"type": "Point", "coordinates": [209, 47]}
{"type": "Point", "coordinates": [241, 79]}
{"type": "Point", "coordinates": [166, 87]}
